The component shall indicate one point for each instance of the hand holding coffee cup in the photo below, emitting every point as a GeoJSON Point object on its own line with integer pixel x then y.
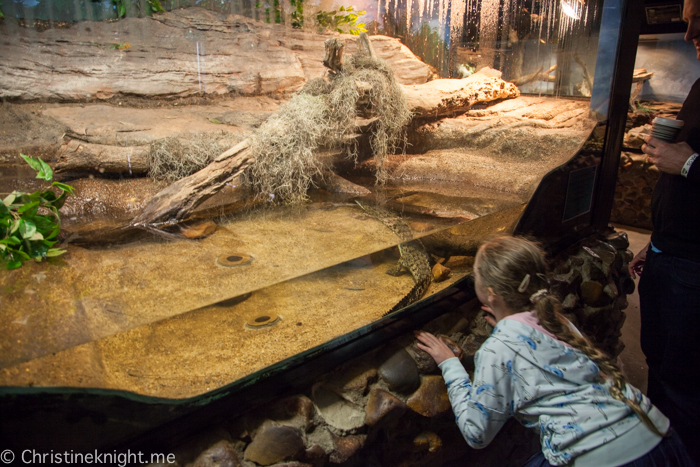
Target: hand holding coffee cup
{"type": "Point", "coordinates": [667, 157]}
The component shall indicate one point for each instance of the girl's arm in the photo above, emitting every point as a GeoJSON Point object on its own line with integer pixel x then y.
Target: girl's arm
{"type": "Point", "coordinates": [481, 408]}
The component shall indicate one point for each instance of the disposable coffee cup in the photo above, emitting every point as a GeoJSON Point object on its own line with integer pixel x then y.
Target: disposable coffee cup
{"type": "Point", "coordinates": [666, 129]}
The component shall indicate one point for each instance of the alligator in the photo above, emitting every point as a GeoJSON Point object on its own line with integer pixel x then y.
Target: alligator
{"type": "Point", "coordinates": [414, 258]}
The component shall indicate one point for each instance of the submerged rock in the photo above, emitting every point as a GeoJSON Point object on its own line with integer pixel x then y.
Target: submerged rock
{"type": "Point", "coordinates": [200, 230]}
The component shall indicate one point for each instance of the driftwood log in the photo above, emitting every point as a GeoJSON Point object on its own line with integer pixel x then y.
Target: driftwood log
{"type": "Point", "coordinates": [175, 202]}
{"type": "Point", "coordinates": [78, 155]}
{"type": "Point", "coordinates": [433, 99]}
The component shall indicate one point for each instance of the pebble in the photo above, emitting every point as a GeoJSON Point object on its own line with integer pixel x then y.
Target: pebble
{"type": "Point", "coordinates": [426, 364]}
{"type": "Point", "coordinates": [274, 443]}
{"type": "Point", "coordinates": [619, 240]}
{"type": "Point", "coordinates": [220, 454]}
{"type": "Point", "coordinates": [440, 272]}
{"type": "Point", "coordinates": [427, 440]}
{"type": "Point", "coordinates": [430, 400]}
{"type": "Point", "coordinates": [382, 405]}
{"type": "Point", "coordinates": [297, 410]}
{"type": "Point", "coordinates": [199, 230]}
{"type": "Point", "coordinates": [346, 447]}
{"type": "Point", "coordinates": [336, 411]}
{"type": "Point", "coordinates": [400, 372]}
{"type": "Point", "coordinates": [591, 292]}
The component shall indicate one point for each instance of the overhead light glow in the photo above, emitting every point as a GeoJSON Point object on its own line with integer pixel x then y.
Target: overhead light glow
{"type": "Point", "coordinates": [572, 8]}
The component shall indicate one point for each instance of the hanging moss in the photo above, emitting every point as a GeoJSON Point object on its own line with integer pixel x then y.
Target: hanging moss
{"type": "Point", "coordinates": [170, 159]}
{"type": "Point", "coordinates": [322, 116]}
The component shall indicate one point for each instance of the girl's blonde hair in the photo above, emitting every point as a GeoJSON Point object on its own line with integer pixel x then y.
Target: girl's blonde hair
{"type": "Point", "coordinates": [516, 270]}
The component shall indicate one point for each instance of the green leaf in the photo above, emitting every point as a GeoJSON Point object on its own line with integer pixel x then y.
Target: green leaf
{"type": "Point", "coordinates": [9, 199]}
{"type": "Point", "coordinates": [10, 241]}
{"type": "Point", "coordinates": [53, 233]}
{"type": "Point", "coordinates": [213, 120]}
{"type": "Point", "coordinates": [3, 247]}
{"type": "Point", "coordinates": [22, 255]}
{"type": "Point", "coordinates": [28, 207]}
{"type": "Point", "coordinates": [15, 226]}
{"type": "Point", "coordinates": [54, 252]}
{"type": "Point", "coordinates": [36, 236]}
{"type": "Point", "coordinates": [46, 173]}
{"type": "Point", "coordinates": [27, 228]}
{"type": "Point", "coordinates": [64, 187]}
{"type": "Point", "coordinates": [43, 169]}
{"type": "Point", "coordinates": [157, 7]}
{"type": "Point", "coordinates": [13, 264]}
{"type": "Point", "coordinates": [49, 196]}
{"type": "Point", "coordinates": [33, 163]}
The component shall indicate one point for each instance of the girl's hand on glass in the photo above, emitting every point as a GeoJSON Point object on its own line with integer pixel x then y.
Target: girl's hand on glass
{"type": "Point", "coordinates": [434, 346]}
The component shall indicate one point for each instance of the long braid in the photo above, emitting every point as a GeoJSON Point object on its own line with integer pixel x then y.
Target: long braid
{"type": "Point", "coordinates": [515, 268]}
{"type": "Point", "coordinates": [550, 317]}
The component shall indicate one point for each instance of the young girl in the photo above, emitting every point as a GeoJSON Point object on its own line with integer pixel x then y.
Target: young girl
{"type": "Point", "coordinates": [537, 367]}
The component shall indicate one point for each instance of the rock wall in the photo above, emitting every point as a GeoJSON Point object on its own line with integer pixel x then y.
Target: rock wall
{"type": "Point", "coordinates": [390, 407]}
{"type": "Point", "coordinates": [180, 53]}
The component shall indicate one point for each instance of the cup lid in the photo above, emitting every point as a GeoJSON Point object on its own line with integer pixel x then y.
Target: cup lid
{"type": "Point", "coordinates": [668, 122]}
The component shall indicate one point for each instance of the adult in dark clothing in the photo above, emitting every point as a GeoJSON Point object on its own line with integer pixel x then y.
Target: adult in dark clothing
{"type": "Point", "coordinates": [669, 287]}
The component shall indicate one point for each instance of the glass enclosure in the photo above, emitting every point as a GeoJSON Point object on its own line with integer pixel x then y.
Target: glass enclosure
{"type": "Point", "coordinates": [195, 298]}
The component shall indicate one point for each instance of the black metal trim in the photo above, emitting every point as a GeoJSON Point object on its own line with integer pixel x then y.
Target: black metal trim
{"type": "Point", "coordinates": [617, 114]}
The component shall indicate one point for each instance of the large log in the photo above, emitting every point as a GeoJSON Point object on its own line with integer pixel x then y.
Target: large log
{"type": "Point", "coordinates": [175, 202]}
{"type": "Point", "coordinates": [443, 97]}
{"type": "Point", "coordinates": [437, 98]}
{"type": "Point", "coordinates": [78, 155]}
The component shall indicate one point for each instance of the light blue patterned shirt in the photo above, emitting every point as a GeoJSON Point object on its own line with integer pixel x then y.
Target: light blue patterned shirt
{"type": "Point", "coordinates": [544, 384]}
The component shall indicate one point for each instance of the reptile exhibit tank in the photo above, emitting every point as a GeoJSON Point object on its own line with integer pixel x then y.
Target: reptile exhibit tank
{"type": "Point", "coordinates": [258, 181]}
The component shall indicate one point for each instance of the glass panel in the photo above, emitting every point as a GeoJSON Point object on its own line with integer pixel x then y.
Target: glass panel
{"type": "Point", "coordinates": [546, 47]}
{"type": "Point", "coordinates": [100, 89]}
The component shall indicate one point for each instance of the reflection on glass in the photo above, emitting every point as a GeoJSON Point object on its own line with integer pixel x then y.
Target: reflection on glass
{"type": "Point", "coordinates": [105, 86]}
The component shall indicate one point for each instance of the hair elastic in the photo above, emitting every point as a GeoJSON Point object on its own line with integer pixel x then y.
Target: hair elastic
{"type": "Point", "coordinates": [524, 283]}
{"type": "Point", "coordinates": [537, 296]}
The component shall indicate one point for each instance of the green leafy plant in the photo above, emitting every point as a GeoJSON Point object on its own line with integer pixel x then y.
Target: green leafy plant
{"type": "Point", "coordinates": [643, 108]}
{"type": "Point", "coordinates": [343, 20]}
{"type": "Point", "coordinates": [297, 13]}
{"type": "Point", "coordinates": [122, 6]}
{"type": "Point", "coordinates": [1, 15]}
{"type": "Point", "coordinates": [29, 222]}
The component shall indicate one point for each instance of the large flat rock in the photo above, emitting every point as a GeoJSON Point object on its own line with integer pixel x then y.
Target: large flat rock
{"type": "Point", "coordinates": [184, 52]}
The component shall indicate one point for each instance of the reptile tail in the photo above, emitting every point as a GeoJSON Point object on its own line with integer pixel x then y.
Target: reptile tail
{"type": "Point", "coordinates": [414, 295]}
